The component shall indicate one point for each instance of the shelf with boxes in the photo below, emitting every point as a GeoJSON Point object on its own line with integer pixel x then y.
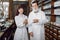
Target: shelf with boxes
{"type": "Point", "coordinates": [46, 6]}
{"type": "Point", "coordinates": [57, 8]}
{"type": "Point", "coordinates": [52, 31]}
{"type": "Point", "coordinates": [57, 11]}
{"type": "Point", "coordinates": [48, 14]}
{"type": "Point", "coordinates": [52, 10]}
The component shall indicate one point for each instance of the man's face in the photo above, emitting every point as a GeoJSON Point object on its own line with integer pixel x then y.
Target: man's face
{"type": "Point", "coordinates": [34, 6]}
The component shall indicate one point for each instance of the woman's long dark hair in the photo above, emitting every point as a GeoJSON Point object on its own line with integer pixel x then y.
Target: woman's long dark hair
{"type": "Point", "coordinates": [17, 12]}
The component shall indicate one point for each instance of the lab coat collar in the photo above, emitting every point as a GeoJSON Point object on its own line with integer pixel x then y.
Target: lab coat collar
{"type": "Point", "coordinates": [36, 11]}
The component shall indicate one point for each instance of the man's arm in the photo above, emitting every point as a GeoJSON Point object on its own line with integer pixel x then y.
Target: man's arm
{"type": "Point", "coordinates": [43, 19]}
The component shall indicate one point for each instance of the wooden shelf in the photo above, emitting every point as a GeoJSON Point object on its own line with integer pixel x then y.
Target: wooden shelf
{"type": "Point", "coordinates": [48, 14]}
{"type": "Point", "coordinates": [47, 9]}
{"type": "Point", "coordinates": [52, 15]}
{"type": "Point", "coordinates": [40, 2]}
{"type": "Point", "coordinates": [20, 2]}
{"type": "Point", "coordinates": [57, 7]}
{"type": "Point", "coordinates": [46, 3]}
{"type": "Point", "coordinates": [53, 8]}
{"type": "Point", "coordinates": [52, 31]}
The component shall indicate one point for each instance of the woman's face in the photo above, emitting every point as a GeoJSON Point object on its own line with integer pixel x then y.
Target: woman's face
{"type": "Point", "coordinates": [21, 11]}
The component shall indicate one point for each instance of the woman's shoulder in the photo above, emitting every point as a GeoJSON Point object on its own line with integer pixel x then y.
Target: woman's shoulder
{"type": "Point", "coordinates": [16, 17]}
{"type": "Point", "coordinates": [25, 16]}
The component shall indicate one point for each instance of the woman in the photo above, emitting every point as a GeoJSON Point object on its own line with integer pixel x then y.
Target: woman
{"type": "Point", "coordinates": [21, 22]}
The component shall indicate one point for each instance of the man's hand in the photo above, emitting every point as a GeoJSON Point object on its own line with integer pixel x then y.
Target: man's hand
{"type": "Point", "coordinates": [31, 34]}
{"type": "Point", "coordinates": [35, 20]}
{"type": "Point", "coordinates": [25, 22]}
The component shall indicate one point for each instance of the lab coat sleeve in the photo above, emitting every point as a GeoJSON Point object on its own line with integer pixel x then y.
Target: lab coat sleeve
{"type": "Point", "coordinates": [30, 23]}
{"type": "Point", "coordinates": [18, 23]}
{"type": "Point", "coordinates": [43, 19]}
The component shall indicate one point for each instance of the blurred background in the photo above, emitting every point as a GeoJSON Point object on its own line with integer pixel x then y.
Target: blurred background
{"type": "Point", "coordinates": [8, 9]}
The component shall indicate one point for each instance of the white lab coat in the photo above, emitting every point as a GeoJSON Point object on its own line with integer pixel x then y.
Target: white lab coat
{"type": "Point", "coordinates": [21, 32]}
{"type": "Point", "coordinates": [37, 28]}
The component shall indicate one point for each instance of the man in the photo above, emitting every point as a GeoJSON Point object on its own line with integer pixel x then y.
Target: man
{"type": "Point", "coordinates": [36, 21]}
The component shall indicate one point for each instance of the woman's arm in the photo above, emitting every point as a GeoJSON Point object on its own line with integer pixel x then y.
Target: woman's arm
{"type": "Point", "coordinates": [18, 23]}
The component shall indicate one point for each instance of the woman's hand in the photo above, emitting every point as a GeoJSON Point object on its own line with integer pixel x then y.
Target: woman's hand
{"type": "Point", "coordinates": [25, 22]}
